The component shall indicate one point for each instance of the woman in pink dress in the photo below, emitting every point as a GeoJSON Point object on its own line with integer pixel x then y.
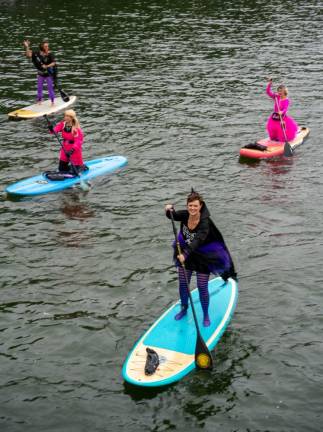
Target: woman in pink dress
{"type": "Point", "coordinates": [274, 127]}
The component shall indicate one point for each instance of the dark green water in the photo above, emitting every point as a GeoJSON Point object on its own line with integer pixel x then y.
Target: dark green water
{"type": "Point", "coordinates": [177, 87]}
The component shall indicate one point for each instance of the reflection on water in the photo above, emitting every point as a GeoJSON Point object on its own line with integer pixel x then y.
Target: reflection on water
{"type": "Point", "coordinates": [275, 172]}
{"type": "Point", "coordinates": [74, 206]}
{"type": "Point", "coordinates": [273, 164]}
{"type": "Point", "coordinates": [73, 238]}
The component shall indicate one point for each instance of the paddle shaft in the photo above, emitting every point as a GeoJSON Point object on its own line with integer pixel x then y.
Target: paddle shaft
{"type": "Point", "coordinates": [287, 147]}
{"type": "Point", "coordinates": [200, 344]}
{"type": "Point", "coordinates": [281, 119]}
{"type": "Point", "coordinates": [179, 251]}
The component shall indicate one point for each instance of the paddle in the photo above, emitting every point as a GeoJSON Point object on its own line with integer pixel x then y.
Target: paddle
{"type": "Point", "coordinates": [203, 359]}
{"type": "Point", "coordinates": [84, 186]}
{"type": "Point", "coordinates": [288, 150]}
{"type": "Point", "coordinates": [58, 85]}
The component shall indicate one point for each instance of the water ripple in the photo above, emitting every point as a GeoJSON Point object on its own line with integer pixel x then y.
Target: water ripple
{"type": "Point", "coordinates": [177, 88]}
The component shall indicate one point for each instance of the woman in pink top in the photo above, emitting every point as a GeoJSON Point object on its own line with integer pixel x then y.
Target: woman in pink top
{"type": "Point", "coordinates": [281, 104]}
{"type": "Point", "coordinates": [71, 150]}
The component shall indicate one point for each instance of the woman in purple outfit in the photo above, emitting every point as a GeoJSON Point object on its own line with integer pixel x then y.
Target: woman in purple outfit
{"type": "Point", "coordinates": [44, 61]}
{"type": "Point", "coordinates": [203, 252]}
{"type": "Point", "coordinates": [274, 127]}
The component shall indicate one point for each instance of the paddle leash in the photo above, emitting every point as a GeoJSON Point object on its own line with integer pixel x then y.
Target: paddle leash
{"type": "Point", "coordinates": [85, 187]}
{"type": "Point", "coordinates": [288, 150]}
{"type": "Point", "coordinates": [203, 358]}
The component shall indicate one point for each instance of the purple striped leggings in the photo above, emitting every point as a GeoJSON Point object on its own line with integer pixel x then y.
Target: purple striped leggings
{"type": "Point", "coordinates": [202, 285]}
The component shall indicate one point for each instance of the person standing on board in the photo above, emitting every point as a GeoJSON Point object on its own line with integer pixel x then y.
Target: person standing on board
{"type": "Point", "coordinates": [44, 61]}
{"type": "Point", "coordinates": [71, 150]}
{"type": "Point", "coordinates": [281, 104]}
{"type": "Point", "coordinates": [203, 251]}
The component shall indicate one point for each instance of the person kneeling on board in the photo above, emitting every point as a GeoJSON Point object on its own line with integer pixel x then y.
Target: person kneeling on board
{"type": "Point", "coordinates": [203, 251]}
{"type": "Point", "coordinates": [70, 156]}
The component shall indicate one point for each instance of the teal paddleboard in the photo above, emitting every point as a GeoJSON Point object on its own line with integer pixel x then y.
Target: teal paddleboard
{"type": "Point", "coordinates": [174, 341]}
{"type": "Point", "coordinates": [40, 184]}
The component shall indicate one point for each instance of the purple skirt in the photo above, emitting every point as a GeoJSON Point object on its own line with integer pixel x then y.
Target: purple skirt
{"type": "Point", "coordinates": [209, 258]}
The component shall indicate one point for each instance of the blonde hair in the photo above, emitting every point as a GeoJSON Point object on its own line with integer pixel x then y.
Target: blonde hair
{"type": "Point", "coordinates": [75, 123]}
{"type": "Point", "coordinates": [284, 88]}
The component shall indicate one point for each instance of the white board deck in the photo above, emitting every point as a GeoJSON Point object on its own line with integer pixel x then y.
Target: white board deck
{"type": "Point", "coordinates": [39, 110]}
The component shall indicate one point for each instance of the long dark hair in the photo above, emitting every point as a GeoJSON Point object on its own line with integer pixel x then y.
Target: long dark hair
{"type": "Point", "coordinates": [41, 45]}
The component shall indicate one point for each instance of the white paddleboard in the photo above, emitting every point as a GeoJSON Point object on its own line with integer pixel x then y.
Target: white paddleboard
{"type": "Point", "coordinates": [39, 110]}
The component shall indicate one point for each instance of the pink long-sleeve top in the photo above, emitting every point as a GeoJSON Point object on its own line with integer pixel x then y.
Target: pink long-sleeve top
{"type": "Point", "coordinates": [280, 104]}
{"type": "Point", "coordinates": [71, 141]}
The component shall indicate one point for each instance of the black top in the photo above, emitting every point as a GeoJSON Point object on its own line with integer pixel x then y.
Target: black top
{"type": "Point", "coordinates": [38, 58]}
{"type": "Point", "coordinates": [205, 231]}
{"type": "Point", "coordinates": [217, 259]}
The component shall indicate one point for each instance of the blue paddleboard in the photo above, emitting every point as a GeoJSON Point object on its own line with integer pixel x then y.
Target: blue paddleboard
{"type": "Point", "coordinates": [40, 184]}
{"type": "Point", "coordinates": [174, 341]}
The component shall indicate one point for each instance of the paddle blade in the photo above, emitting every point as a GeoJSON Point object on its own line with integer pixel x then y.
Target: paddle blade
{"type": "Point", "coordinates": [288, 151]}
{"type": "Point", "coordinates": [203, 358]}
{"type": "Point", "coordinates": [85, 186]}
{"type": "Point", "coordinates": [64, 96]}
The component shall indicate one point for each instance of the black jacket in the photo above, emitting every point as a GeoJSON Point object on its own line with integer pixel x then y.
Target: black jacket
{"type": "Point", "coordinates": [204, 233]}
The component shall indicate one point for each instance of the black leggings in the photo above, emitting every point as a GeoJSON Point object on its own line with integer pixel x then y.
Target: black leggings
{"type": "Point", "coordinates": [67, 168]}
{"type": "Point", "coordinates": [63, 166]}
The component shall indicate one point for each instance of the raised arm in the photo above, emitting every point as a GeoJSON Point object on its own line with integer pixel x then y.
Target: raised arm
{"type": "Point", "coordinates": [28, 50]}
{"type": "Point", "coordinates": [269, 91]}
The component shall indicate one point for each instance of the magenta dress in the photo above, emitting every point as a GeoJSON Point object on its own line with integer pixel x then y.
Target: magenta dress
{"type": "Point", "coordinates": [274, 127]}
